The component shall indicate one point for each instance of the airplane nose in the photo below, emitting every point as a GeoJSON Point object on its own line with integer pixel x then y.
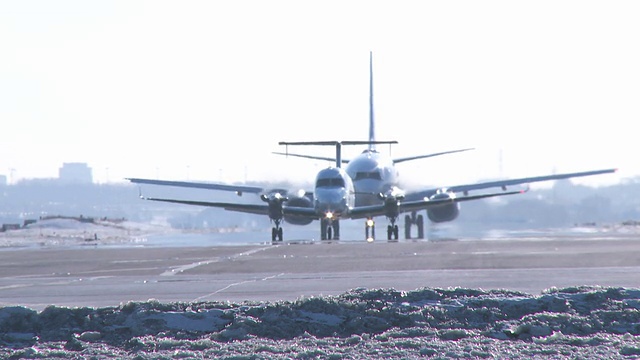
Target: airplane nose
{"type": "Point", "coordinates": [333, 205]}
{"type": "Point", "coordinates": [368, 190]}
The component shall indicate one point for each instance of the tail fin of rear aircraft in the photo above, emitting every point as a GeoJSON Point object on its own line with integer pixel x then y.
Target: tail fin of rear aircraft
{"type": "Point", "coordinates": [372, 129]}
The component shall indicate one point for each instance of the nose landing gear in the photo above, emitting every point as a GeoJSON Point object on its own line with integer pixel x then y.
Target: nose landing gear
{"type": "Point", "coordinates": [329, 230]}
{"type": "Point", "coordinates": [370, 230]}
{"type": "Point", "coordinates": [276, 232]}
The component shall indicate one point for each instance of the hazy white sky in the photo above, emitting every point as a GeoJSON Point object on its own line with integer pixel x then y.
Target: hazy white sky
{"type": "Point", "coordinates": [205, 89]}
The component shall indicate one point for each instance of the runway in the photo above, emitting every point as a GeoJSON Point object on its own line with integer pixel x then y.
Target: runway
{"type": "Point", "coordinates": [109, 276]}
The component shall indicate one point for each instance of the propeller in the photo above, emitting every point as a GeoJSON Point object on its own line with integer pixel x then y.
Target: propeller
{"type": "Point", "coordinates": [393, 194]}
{"type": "Point", "coordinates": [274, 198]}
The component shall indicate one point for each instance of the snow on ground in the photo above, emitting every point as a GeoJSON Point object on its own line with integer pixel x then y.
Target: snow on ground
{"type": "Point", "coordinates": [577, 322]}
{"type": "Point", "coordinates": [70, 232]}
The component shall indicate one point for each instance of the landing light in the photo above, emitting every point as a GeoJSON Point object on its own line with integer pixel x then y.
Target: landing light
{"type": "Point", "coordinates": [370, 223]}
{"type": "Point", "coordinates": [369, 239]}
{"type": "Point", "coordinates": [329, 215]}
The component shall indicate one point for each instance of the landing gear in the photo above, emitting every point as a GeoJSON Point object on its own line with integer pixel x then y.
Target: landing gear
{"type": "Point", "coordinates": [276, 214]}
{"type": "Point", "coordinates": [370, 230]}
{"type": "Point", "coordinates": [407, 227]}
{"type": "Point", "coordinates": [392, 232]}
{"type": "Point", "coordinates": [329, 230]}
{"type": "Point", "coordinates": [418, 220]}
{"type": "Point", "coordinates": [276, 232]}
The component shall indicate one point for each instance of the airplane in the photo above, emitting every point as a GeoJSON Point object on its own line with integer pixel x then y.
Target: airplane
{"type": "Point", "coordinates": [368, 187]}
{"type": "Point", "coordinates": [374, 173]}
{"type": "Point", "coordinates": [333, 199]}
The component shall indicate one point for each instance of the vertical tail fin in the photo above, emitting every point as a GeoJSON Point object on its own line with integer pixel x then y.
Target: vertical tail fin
{"type": "Point", "coordinates": [372, 130]}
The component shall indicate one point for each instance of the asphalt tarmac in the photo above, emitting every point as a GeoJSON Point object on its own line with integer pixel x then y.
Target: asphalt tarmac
{"type": "Point", "coordinates": [110, 276]}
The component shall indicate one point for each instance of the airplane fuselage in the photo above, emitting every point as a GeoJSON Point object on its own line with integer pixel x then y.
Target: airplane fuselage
{"type": "Point", "coordinates": [372, 174]}
{"type": "Point", "coordinates": [334, 194]}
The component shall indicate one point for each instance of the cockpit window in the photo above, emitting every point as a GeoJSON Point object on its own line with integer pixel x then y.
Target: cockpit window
{"type": "Point", "coordinates": [368, 175]}
{"type": "Point", "coordinates": [338, 182]}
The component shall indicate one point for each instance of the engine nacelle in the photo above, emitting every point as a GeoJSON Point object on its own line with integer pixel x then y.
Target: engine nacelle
{"type": "Point", "coordinates": [299, 201]}
{"type": "Point", "coordinates": [445, 212]}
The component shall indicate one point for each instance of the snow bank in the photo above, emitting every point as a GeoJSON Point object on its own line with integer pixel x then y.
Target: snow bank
{"type": "Point", "coordinates": [588, 322]}
{"type": "Point", "coordinates": [71, 232]}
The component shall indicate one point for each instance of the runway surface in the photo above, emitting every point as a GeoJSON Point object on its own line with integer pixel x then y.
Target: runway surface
{"type": "Point", "coordinates": [108, 276]}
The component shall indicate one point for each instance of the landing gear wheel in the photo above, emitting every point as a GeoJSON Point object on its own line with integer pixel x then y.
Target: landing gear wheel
{"type": "Point", "coordinates": [329, 232]}
{"type": "Point", "coordinates": [420, 224]}
{"type": "Point", "coordinates": [276, 234]}
{"type": "Point", "coordinates": [336, 229]}
{"type": "Point", "coordinates": [323, 229]}
{"type": "Point", "coordinates": [407, 227]}
{"type": "Point", "coordinates": [392, 232]}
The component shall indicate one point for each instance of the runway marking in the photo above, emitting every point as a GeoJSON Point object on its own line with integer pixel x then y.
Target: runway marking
{"type": "Point", "coordinates": [183, 268]}
{"type": "Point", "coordinates": [199, 298]}
{"type": "Point", "coordinates": [15, 286]}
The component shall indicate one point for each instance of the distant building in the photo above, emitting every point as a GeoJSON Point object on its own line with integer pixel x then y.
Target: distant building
{"type": "Point", "coordinates": [3, 180]}
{"type": "Point", "coordinates": [75, 173]}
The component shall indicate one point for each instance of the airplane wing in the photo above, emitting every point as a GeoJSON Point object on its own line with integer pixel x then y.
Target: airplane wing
{"type": "Point", "coordinates": [504, 183]}
{"type": "Point", "coordinates": [200, 185]}
{"type": "Point", "coordinates": [399, 160]}
{"type": "Point", "coordinates": [406, 206]}
{"type": "Point", "coordinates": [260, 209]}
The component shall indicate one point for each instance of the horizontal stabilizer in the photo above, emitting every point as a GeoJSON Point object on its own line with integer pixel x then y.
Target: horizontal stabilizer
{"type": "Point", "coordinates": [333, 143]}
{"type": "Point", "coordinates": [344, 161]}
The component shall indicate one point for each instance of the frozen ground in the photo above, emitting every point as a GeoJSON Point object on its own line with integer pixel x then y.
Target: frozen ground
{"type": "Point", "coordinates": [69, 232]}
{"type": "Point", "coordinates": [578, 322]}
{"type": "Point", "coordinates": [573, 322]}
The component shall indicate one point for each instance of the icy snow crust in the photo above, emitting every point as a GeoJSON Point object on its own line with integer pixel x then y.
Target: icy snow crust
{"type": "Point", "coordinates": [577, 322]}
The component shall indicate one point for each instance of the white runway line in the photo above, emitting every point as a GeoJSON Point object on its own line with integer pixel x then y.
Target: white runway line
{"type": "Point", "coordinates": [200, 298]}
{"type": "Point", "coordinates": [179, 269]}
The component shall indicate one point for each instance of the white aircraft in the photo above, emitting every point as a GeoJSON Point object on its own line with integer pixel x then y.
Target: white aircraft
{"type": "Point", "coordinates": [367, 188]}
{"type": "Point", "coordinates": [333, 199]}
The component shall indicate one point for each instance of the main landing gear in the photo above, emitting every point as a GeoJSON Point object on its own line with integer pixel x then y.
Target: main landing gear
{"type": "Point", "coordinates": [413, 219]}
{"type": "Point", "coordinates": [392, 232]}
{"type": "Point", "coordinates": [392, 229]}
{"type": "Point", "coordinates": [276, 232]}
{"type": "Point", "coordinates": [329, 230]}
{"type": "Point", "coordinates": [370, 230]}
